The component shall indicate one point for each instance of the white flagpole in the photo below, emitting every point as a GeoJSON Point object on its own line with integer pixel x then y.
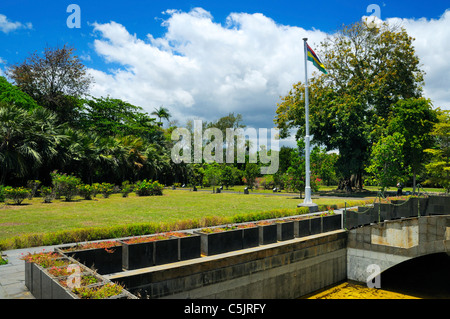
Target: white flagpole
{"type": "Point", "coordinates": [307, 201]}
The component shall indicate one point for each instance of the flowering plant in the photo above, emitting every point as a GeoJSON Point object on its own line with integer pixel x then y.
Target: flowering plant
{"type": "Point", "coordinates": [60, 271]}
{"type": "Point", "coordinates": [100, 292]}
{"type": "Point", "coordinates": [249, 225]}
{"type": "Point", "coordinates": [138, 240]}
{"type": "Point", "coordinates": [217, 229]}
{"type": "Point", "coordinates": [85, 280]}
{"type": "Point", "coordinates": [48, 194]}
{"type": "Point", "coordinates": [178, 234]}
{"type": "Point", "coordinates": [46, 259]}
{"type": "Point", "coordinates": [107, 245]}
{"type": "Point", "coordinates": [16, 194]}
{"type": "Point", "coordinates": [264, 222]}
{"type": "Point", "coordinates": [85, 190]}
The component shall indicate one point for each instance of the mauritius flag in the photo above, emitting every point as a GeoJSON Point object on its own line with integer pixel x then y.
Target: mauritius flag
{"type": "Point", "coordinates": [314, 59]}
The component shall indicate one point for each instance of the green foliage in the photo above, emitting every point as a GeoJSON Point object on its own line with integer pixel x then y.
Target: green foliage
{"type": "Point", "coordinates": [114, 117]}
{"type": "Point", "coordinates": [99, 292]}
{"type": "Point", "coordinates": [65, 185]}
{"type": "Point", "coordinates": [126, 188]}
{"type": "Point", "coordinates": [148, 188]}
{"type": "Point", "coordinates": [11, 94]}
{"type": "Point", "coordinates": [369, 70]}
{"type": "Point", "coordinates": [85, 190]}
{"type": "Point", "coordinates": [161, 113]}
{"type": "Point", "coordinates": [212, 175]}
{"type": "Point", "coordinates": [55, 79]}
{"type": "Point", "coordinates": [33, 185]}
{"type": "Point", "coordinates": [387, 165]}
{"type": "Point", "coordinates": [106, 189]}
{"type": "Point", "coordinates": [250, 173]}
{"type": "Point", "coordinates": [414, 119]}
{"type": "Point", "coordinates": [2, 193]}
{"type": "Point", "coordinates": [16, 194]}
{"type": "Point", "coordinates": [28, 140]}
{"type": "Point", "coordinates": [439, 165]}
{"type": "Point", "coordinates": [48, 194]}
{"type": "Point", "coordinates": [3, 261]}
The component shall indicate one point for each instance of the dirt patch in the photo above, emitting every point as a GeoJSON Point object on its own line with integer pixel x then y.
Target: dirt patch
{"type": "Point", "coordinates": [12, 224]}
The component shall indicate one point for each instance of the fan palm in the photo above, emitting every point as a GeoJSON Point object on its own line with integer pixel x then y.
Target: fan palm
{"type": "Point", "coordinates": [27, 138]}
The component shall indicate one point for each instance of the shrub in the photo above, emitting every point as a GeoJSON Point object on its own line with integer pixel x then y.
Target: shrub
{"type": "Point", "coordinates": [48, 194]}
{"type": "Point", "coordinates": [148, 188]}
{"type": "Point", "coordinates": [2, 193]}
{"type": "Point", "coordinates": [126, 188]}
{"type": "Point", "coordinates": [65, 185]}
{"type": "Point", "coordinates": [17, 194]}
{"type": "Point", "coordinates": [3, 261]}
{"type": "Point", "coordinates": [33, 185]}
{"type": "Point", "coordinates": [85, 190]}
{"type": "Point", "coordinates": [106, 189]}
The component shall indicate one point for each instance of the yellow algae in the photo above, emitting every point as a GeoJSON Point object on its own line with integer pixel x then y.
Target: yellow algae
{"type": "Point", "coordinates": [354, 291]}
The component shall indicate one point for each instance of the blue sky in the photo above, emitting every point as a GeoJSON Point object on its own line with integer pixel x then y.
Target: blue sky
{"type": "Point", "coordinates": [48, 17]}
{"type": "Point", "coordinates": [204, 58]}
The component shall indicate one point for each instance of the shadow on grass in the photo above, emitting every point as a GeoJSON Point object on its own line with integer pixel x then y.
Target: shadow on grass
{"type": "Point", "coordinates": [340, 193]}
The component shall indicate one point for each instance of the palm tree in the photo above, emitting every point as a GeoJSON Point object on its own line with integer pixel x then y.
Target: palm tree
{"type": "Point", "coordinates": [161, 113]}
{"type": "Point", "coordinates": [28, 139]}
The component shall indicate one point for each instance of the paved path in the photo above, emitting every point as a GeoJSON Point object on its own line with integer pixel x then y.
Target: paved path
{"type": "Point", "coordinates": [12, 275]}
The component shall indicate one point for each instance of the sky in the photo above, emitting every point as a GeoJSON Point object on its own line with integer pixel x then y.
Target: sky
{"type": "Point", "coordinates": [205, 59]}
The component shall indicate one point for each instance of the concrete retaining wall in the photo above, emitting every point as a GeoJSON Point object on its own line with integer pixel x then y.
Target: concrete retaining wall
{"type": "Point", "coordinates": [287, 270]}
{"type": "Point", "coordinates": [392, 242]}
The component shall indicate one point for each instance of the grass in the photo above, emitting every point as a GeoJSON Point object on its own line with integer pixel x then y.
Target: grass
{"type": "Point", "coordinates": [35, 218]}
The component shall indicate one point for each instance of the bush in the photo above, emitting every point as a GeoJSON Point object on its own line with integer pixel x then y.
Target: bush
{"type": "Point", "coordinates": [47, 194]}
{"type": "Point", "coordinates": [2, 193]}
{"type": "Point", "coordinates": [85, 190]}
{"type": "Point", "coordinates": [106, 189]}
{"type": "Point", "coordinates": [65, 185]}
{"type": "Point", "coordinates": [148, 188]}
{"type": "Point", "coordinates": [33, 185]}
{"type": "Point", "coordinates": [17, 194]}
{"type": "Point", "coordinates": [126, 188]}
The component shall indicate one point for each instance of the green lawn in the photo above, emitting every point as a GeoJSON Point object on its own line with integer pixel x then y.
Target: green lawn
{"type": "Point", "coordinates": [36, 217]}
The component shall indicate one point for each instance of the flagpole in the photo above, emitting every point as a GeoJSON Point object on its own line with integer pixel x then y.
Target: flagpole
{"type": "Point", "coordinates": [307, 201]}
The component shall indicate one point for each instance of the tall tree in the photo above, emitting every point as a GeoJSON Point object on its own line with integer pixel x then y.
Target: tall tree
{"type": "Point", "coordinates": [27, 140]}
{"type": "Point", "coordinates": [161, 113]}
{"type": "Point", "coordinates": [439, 165]}
{"type": "Point", "coordinates": [369, 69]}
{"type": "Point", "coordinates": [414, 119]}
{"type": "Point", "coordinates": [111, 117]}
{"type": "Point", "coordinates": [387, 164]}
{"type": "Point", "coordinates": [11, 94]}
{"type": "Point", "coordinates": [56, 80]}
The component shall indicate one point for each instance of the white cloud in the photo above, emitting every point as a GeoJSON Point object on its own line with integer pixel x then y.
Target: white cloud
{"type": "Point", "coordinates": [432, 45]}
{"type": "Point", "coordinates": [7, 26]}
{"type": "Point", "coordinates": [203, 69]}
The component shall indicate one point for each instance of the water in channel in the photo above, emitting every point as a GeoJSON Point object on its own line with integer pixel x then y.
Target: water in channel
{"type": "Point", "coordinates": [426, 277]}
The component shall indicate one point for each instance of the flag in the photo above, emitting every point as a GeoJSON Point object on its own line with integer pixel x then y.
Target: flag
{"type": "Point", "coordinates": [314, 59]}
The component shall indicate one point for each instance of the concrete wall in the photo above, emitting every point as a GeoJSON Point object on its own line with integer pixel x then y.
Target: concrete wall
{"type": "Point", "coordinates": [392, 242]}
{"type": "Point", "coordinates": [287, 270]}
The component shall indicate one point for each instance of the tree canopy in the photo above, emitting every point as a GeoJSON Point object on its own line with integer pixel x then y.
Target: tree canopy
{"type": "Point", "coordinates": [370, 69]}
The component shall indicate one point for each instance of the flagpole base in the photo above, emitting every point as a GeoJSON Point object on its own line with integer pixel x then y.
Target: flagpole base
{"type": "Point", "coordinates": [312, 207]}
{"type": "Point", "coordinates": [308, 201]}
